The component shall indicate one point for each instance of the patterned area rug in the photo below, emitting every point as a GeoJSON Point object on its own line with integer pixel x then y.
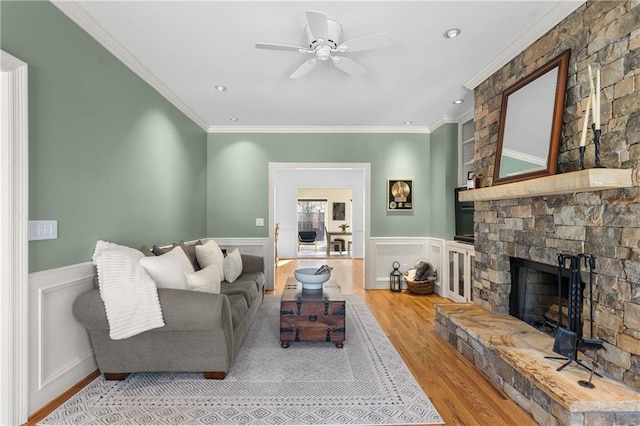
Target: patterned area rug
{"type": "Point", "coordinates": [366, 382]}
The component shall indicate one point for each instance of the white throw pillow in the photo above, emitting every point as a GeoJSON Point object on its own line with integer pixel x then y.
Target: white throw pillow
{"type": "Point", "coordinates": [168, 269]}
{"type": "Point", "coordinates": [207, 280]}
{"type": "Point", "coordinates": [210, 253]}
{"type": "Point", "coordinates": [232, 266]}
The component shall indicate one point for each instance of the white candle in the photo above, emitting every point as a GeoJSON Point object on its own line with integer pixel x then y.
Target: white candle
{"type": "Point", "coordinates": [592, 91]}
{"type": "Point", "coordinates": [585, 123]}
{"type": "Point", "coordinates": [596, 101]}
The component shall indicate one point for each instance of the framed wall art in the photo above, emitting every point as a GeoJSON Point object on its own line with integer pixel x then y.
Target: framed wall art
{"type": "Point", "coordinates": [399, 194]}
{"type": "Point", "coordinates": [339, 212]}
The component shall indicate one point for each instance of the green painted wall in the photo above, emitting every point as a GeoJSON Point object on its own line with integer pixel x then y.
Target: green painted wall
{"type": "Point", "coordinates": [444, 178]}
{"type": "Point", "coordinates": [238, 173]}
{"type": "Point", "coordinates": [109, 157]}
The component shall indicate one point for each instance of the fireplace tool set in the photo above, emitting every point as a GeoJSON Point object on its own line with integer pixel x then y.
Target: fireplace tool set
{"type": "Point", "coordinates": [569, 340]}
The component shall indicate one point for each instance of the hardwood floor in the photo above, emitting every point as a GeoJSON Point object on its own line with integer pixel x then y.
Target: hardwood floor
{"type": "Point", "coordinates": [461, 394]}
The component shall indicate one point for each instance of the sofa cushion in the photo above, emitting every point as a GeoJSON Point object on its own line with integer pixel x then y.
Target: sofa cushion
{"type": "Point", "coordinates": [147, 251]}
{"type": "Point", "coordinates": [168, 270]}
{"type": "Point", "coordinates": [247, 289]}
{"type": "Point", "coordinates": [239, 308]}
{"type": "Point", "coordinates": [256, 277]}
{"type": "Point", "coordinates": [190, 251]}
{"type": "Point", "coordinates": [206, 280]}
{"type": "Point", "coordinates": [232, 266]}
{"type": "Point", "coordinates": [159, 251]}
{"type": "Point", "coordinates": [209, 253]}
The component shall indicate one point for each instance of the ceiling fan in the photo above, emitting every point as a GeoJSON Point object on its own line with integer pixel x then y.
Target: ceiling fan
{"type": "Point", "coordinates": [323, 35]}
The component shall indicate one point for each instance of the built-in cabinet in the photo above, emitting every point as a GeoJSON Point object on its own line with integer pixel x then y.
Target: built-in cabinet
{"type": "Point", "coordinates": [466, 147]}
{"type": "Point", "coordinates": [459, 271]}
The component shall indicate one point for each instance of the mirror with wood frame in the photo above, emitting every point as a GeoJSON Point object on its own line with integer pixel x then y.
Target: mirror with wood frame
{"type": "Point", "coordinates": [531, 123]}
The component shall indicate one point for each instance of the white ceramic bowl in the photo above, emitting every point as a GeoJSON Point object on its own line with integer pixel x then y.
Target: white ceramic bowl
{"type": "Point", "coordinates": [309, 280]}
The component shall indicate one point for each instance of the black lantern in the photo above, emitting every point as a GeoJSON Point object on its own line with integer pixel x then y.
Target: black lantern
{"type": "Point", "coordinates": [395, 278]}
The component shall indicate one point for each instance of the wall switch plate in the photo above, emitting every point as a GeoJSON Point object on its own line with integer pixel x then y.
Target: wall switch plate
{"type": "Point", "coordinates": [43, 230]}
{"type": "Point", "coordinates": [259, 221]}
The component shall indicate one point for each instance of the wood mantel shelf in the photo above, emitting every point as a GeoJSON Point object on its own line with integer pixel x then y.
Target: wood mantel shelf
{"type": "Point", "coordinates": [564, 183]}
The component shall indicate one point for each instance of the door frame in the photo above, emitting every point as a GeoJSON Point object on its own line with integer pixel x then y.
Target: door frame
{"type": "Point", "coordinates": [14, 245]}
{"type": "Point", "coordinates": [306, 167]}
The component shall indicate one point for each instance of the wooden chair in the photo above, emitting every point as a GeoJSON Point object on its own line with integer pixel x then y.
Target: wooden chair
{"type": "Point", "coordinates": [334, 245]}
{"type": "Point", "coordinates": [307, 238]}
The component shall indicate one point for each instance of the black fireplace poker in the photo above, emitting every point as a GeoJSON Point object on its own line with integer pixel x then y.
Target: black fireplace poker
{"type": "Point", "coordinates": [569, 340]}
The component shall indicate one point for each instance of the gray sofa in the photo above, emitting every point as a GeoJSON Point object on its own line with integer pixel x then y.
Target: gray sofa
{"type": "Point", "coordinates": [202, 332]}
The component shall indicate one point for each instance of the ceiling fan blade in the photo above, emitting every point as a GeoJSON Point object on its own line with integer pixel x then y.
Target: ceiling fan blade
{"type": "Point", "coordinates": [287, 47]}
{"type": "Point", "coordinates": [318, 24]}
{"type": "Point", "coordinates": [374, 41]}
{"type": "Point", "coordinates": [304, 68]}
{"type": "Point", "coordinates": [349, 66]}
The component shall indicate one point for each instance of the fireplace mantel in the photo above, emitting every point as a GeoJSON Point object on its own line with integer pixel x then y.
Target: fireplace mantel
{"type": "Point", "coordinates": [564, 183]}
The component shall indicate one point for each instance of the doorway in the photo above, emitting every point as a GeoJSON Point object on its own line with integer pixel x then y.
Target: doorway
{"type": "Point", "coordinates": [285, 179]}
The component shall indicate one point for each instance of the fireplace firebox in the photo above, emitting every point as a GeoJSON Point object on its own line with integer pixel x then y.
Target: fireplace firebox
{"type": "Point", "coordinates": [534, 294]}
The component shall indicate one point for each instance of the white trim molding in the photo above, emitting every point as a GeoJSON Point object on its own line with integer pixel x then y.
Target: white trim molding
{"type": "Point", "coordinates": [14, 249]}
{"type": "Point", "coordinates": [61, 351]}
{"type": "Point", "coordinates": [561, 10]}
{"type": "Point", "coordinates": [77, 14]}
{"type": "Point", "coordinates": [319, 129]}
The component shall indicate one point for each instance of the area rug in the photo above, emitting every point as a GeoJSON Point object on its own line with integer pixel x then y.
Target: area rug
{"type": "Point", "coordinates": [366, 382]}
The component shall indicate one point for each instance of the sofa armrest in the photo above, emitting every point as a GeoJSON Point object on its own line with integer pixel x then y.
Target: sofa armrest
{"type": "Point", "coordinates": [181, 310]}
{"type": "Point", "coordinates": [252, 263]}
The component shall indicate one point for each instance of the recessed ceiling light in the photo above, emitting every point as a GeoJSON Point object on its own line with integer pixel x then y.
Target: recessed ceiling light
{"type": "Point", "coordinates": [408, 123]}
{"type": "Point", "coordinates": [220, 88]}
{"type": "Point", "coordinates": [234, 119]}
{"type": "Point", "coordinates": [452, 33]}
{"type": "Point", "coordinates": [458, 101]}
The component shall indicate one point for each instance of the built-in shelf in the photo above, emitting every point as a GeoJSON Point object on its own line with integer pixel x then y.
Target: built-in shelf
{"type": "Point", "coordinates": [564, 183]}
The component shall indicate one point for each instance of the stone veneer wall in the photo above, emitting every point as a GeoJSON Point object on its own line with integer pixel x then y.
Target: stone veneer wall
{"type": "Point", "coordinates": [603, 223]}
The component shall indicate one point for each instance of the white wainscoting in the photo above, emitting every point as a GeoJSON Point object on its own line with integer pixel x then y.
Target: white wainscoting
{"type": "Point", "coordinates": [60, 353]}
{"type": "Point", "coordinates": [383, 251]}
{"type": "Point", "coordinates": [255, 246]}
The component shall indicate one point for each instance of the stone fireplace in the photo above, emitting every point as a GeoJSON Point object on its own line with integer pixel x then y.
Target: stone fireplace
{"type": "Point", "coordinates": [524, 230]}
{"type": "Point", "coordinates": [605, 223]}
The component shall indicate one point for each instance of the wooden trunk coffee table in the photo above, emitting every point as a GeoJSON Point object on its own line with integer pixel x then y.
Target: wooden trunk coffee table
{"type": "Point", "coordinates": [312, 315]}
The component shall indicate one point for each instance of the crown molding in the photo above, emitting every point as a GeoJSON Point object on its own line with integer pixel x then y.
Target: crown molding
{"type": "Point", "coordinates": [318, 129]}
{"type": "Point", "coordinates": [561, 10]}
{"type": "Point", "coordinates": [445, 119]}
{"type": "Point", "coordinates": [77, 14]}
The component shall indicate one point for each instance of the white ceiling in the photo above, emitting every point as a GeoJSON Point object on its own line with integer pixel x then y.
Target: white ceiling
{"type": "Point", "coordinates": [185, 48]}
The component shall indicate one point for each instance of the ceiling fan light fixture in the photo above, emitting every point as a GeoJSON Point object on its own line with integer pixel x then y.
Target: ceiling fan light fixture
{"type": "Point", "coordinates": [220, 88]}
{"type": "Point", "coordinates": [452, 33]}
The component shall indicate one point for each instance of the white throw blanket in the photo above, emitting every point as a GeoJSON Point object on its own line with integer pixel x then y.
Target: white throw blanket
{"type": "Point", "coordinates": [129, 294]}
